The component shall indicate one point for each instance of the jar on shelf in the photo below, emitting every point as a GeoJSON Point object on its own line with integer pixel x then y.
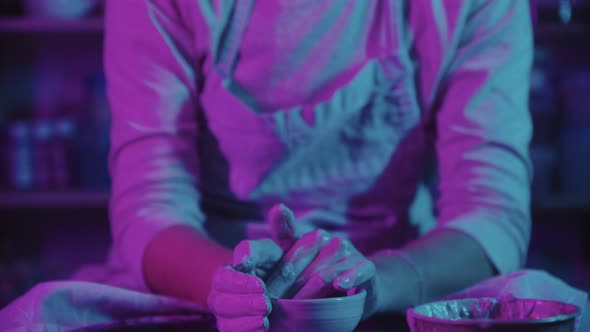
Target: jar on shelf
{"type": "Point", "coordinates": [62, 153]}
{"type": "Point", "coordinates": [43, 135]}
{"type": "Point", "coordinates": [20, 156]}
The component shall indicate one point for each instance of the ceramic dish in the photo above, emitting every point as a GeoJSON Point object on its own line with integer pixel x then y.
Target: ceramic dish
{"type": "Point", "coordinates": [491, 315]}
{"type": "Point", "coordinates": [336, 314]}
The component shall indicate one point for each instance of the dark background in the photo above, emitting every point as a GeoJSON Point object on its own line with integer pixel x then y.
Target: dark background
{"type": "Point", "coordinates": [54, 122]}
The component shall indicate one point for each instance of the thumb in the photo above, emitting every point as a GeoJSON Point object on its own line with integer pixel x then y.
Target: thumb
{"type": "Point", "coordinates": [256, 257]}
{"type": "Point", "coordinates": [282, 226]}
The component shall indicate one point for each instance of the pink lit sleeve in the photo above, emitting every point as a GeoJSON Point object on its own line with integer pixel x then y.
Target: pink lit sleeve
{"type": "Point", "coordinates": [483, 133]}
{"type": "Point", "coordinates": [149, 61]}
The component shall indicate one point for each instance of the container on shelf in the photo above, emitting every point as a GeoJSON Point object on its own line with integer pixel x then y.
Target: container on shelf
{"type": "Point", "coordinates": [62, 153]}
{"type": "Point", "coordinates": [54, 168]}
{"type": "Point", "coordinates": [39, 154]}
{"type": "Point", "coordinates": [20, 156]}
{"type": "Point", "coordinates": [43, 135]}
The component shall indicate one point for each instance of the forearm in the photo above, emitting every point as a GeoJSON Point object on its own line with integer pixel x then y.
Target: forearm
{"type": "Point", "coordinates": [180, 262]}
{"type": "Point", "coordinates": [447, 260]}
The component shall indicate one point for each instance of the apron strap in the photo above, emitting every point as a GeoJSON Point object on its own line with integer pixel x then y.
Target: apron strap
{"type": "Point", "coordinates": [229, 33]}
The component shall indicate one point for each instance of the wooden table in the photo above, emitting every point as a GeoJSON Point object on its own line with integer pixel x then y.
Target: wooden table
{"type": "Point", "coordinates": [379, 324]}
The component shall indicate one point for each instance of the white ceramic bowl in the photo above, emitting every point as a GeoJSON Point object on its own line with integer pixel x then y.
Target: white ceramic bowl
{"type": "Point", "coordinates": [335, 314]}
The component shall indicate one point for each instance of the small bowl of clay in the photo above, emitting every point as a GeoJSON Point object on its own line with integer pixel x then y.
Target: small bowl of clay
{"type": "Point", "coordinates": [494, 315]}
{"type": "Point", "coordinates": [340, 314]}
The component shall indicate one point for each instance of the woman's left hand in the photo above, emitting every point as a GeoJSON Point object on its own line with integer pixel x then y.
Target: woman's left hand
{"type": "Point", "coordinates": [318, 265]}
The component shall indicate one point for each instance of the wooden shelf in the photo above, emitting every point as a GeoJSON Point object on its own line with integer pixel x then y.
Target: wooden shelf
{"type": "Point", "coordinates": [66, 199]}
{"type": "Point", "coordinates": [51, 25]}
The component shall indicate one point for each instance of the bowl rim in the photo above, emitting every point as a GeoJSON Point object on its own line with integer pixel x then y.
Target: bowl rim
{"type": "Point", "coordinates": [412, 314]}
{"type": "Point", "coordinates": [358, 293]}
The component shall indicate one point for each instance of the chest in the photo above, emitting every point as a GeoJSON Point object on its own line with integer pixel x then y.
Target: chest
{"type": "Point", "coordinates": [301, 52]}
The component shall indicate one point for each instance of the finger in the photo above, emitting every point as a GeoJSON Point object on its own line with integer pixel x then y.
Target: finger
{"type": "Point", "coordinates": [295, 261]}
{"type": "Point", "coordinates": [282, 226]}
{"type": "Point", "coordinates": [333, 252]}
{"type": "Point", "coordinates": [316, 288]}
{"type": "Point", "coordinates": [359, 274]}
{"type": "Point", "coordinates": [243, 324]}
{"type": "Point", "coordinates": [234, 305]}
{"type": "Point", "coordinates": [319, 285]}
{"type": "Point", "coordinates": [255, 256]}
{"type": "Point", "coordinates": [228, 280]}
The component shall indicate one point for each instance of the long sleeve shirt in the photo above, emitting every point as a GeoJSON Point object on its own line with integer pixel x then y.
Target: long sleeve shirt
{"type": "Point", "coordinates": [221, 109]}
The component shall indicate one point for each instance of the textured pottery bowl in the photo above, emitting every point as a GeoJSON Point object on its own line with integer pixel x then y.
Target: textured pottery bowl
{"type": "Point", "coordinates": [492, 315]}
{"type": "Point", "coordinates": [335, 314]}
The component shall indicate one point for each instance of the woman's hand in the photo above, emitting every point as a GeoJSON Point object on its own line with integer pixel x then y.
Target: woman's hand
{"type": "Point", "coordinates": [238, 294]}
{"type": "Point", "coordinates": [318, 265]}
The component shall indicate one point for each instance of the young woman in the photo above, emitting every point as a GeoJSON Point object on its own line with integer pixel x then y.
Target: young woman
{"type": "Point", "coordinates": [222, 109]}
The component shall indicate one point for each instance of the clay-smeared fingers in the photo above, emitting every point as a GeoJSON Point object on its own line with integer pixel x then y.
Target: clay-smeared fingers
{"type": "Point", "coordinates": [319, 283]}
{"type": "Point", "coordinates": [256, 256]}
{"type": "Point", "coordinates": [283, 227]}
{"type": "Point", "coordinates": [228, 280]}
{"type": "Point", "coordinates": [233, 306]}
{"type": "Point", "coordinates": [243, 324]}
{"type": "Point", "coordinates": [359, 274]}
{"type": "Point", "coordinates": [315, 288]}
{"type": "Point", "coordinates": [332, 253]}
{"type": "Point", "coordinates": [303, 252]}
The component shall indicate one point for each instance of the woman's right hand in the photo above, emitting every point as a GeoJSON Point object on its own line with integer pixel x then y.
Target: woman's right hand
{"type": "Point", "coordinates": [237, 296]}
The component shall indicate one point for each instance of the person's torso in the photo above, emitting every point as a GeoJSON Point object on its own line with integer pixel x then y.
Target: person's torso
{"type": "Point", "coordinates": [321, 105]}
